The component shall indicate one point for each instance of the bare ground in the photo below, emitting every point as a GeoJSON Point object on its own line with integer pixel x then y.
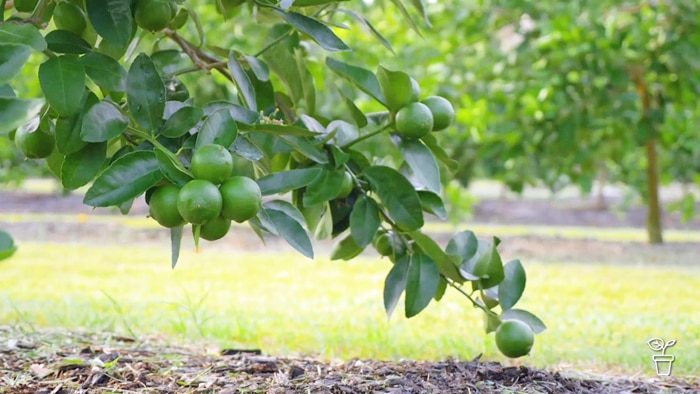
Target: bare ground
{"type": "Point", "coordinates": [56, 362]}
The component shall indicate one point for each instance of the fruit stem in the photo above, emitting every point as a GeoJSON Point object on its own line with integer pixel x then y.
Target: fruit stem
{"type": "Point", "coordinates": [368, 135]}
{"type": "Point", "coordinates": [38, 13]}
{"type": "Point", "coordinates": [476, 304]}
{"type": "Point", "coordinates": [153, 141]}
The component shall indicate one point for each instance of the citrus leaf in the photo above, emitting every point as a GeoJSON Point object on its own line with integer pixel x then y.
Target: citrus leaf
{"type": "Point", "coordinates": [12, 59]}
{"type": "Point", "coordinates": [306, 147]}
{"type": "Point", "coordinates": [103, 122]}
{"type": "Point", "coordinates": [246, 149]}
{"type": "Point", "coordinates": [259, 68]}
{"type": "Point", "coordinates": [524, 316]}
{"type": "Point", "coordinates": [432, 203]}
{"type": "Point", "coordinates": [422, 284]}
{"type": "Point", "coordinates": [127, 177]}
{"type": "Point", "coordinates": [81, 167]}
{"type": "Point", "coordinates": [292, 232]}
{"type": "Point", "coordinates": [311, 3]}
{"type": "Point", "coordinates": [407, 16]}
{"type": "Point", "coordinates": [396, 87]}
{"type": "Point", "coordinates": [181, 122]}
{"type": "Point", "coordinates": [442, 288]}
{"type": "Point", "coordinates": [15, 112]}
{"type": "Point", "coordinates": [145, 92]}
{"type": "Point", "coordinates": [355, 113]}
{"type": "Point", "coordinates": [418, 5]}
{"type": "Point", "coordinates": [486, 264]}
{"type": "Point", "coordinates": [62, 80]}
{"type": "Point", "coordinates": [398, 195]}
{"type": "Point", "coordinates": [464, 245]}
{"type": "Point", "coordinates": [288, 208]}
{"type": "Point", "coordinates": [282, 182]}
{"type": "Point", "coordinates": [22, 34]}
{"type": "Point", "coordinates": [218, 128]}
{"type": "Point", "coordinates": [106, 72]}
{"type": "Point", "coordinates": [444, 261]}
{"type": "Point", "coordinates": [422, 163]}
{"type": "Point", "coordinates": [324, 188]}
{"type": "Point", "coordinates": [68, 129]}
{"type": "Point", "coordinates": [512, 287]}
{"type": "Point", "coordinates": [368, 26]}
{"type": "Point", "coordinates": [275, 129]}
{"type": "Point", "coordinates": [240, 78]}
{"type": "Point", "coordinates": [238, 113]}
{"type": "Point", "coordinates": [63, 41]}
{"type": "Point", "coordinates": [319, 32]}
{"type": "Point", "coordinates": [172, 170]}
{"type": "Point", "coordinates": [175, 243]}
{"type": "Point", "coordinates": [112, 20]}
{"type": "Point", "coordinates": [364, 220]}
{"type": "Point", "coordinates": [7, 245]}
{"type": "Point", "coordinates": [395, 283]}
{"type": "Point", "coordinates": [346, 249]}
{"type": "Point", "coordinates": [431, 142]}
{"type": "Point", "coordinates": [364, 79]}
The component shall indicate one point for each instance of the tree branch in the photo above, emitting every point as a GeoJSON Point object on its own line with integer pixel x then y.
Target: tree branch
{"type": "Point", "coordinates": [201, 60]}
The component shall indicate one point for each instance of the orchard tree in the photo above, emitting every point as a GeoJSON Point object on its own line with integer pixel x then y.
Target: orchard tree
{"type": "Point", "coordinates": [116, 115]}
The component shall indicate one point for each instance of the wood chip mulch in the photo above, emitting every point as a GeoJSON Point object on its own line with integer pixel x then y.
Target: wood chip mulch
{"type": "Point", "coordinates": [63, 363]}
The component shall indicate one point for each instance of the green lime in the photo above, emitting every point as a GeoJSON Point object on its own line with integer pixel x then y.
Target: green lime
{"type": "Point", "coordinates": [212, 163]}
{"type": "Point", "coordinates": [36, 144]}
{"type": "Point", "coordinates": [199, 201]}
{"type": "Point", "coordinates": [414, 121]}
{"type": "Point", "coordinates": [153, 15]}
{"type": "Point", "coordinates": [347, 185]}
{"type": "Point", "coordinates": [388, 243]}
{"type": "Point", "coordinates": [514, 338]}
{"type": "Point", "coordinates": [163, 206]}
{"type": "Point", "coordinates": [68, 16]}
{"type": "Point", "coordinates": [214, 229]}
{"type": "Point", "coordinates": [242, 198]}
{"type": "Point", "coordinates": [442, 110]}
{"type": "Point", "coordinates": [25, 5]}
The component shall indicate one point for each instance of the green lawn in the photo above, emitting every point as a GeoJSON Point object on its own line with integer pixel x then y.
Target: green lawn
{"type": "Point", "coordinates": [599, 316]}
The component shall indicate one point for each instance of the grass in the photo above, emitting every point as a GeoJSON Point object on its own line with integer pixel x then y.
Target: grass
{"type": "Point", "coordinates": [599, 316]}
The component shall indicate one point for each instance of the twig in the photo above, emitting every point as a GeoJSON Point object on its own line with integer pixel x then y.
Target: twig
{"type": "Point", "coordinates": [200, 59]}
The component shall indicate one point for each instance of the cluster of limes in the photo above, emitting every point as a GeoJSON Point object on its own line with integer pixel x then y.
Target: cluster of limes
{"type": "Point", "coordinates": [212, 200]}
{"type": "Point", "coordinates": [418, 118]}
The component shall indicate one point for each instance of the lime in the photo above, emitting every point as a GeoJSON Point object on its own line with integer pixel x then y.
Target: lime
{"type": "Point", "coordinates": [163, 206]}
{"type": "Point", "coordinates": [36, 144]}
{"type": "Point", "coordinates": [199, 201]}
{"type": "Point", "coordinates": [25, 5]}
{"type": "Point", "coordinates": [414, 120]}
{"type": "Point", "coordinates": [153, 15]}
{"type": "Point", "coordinates": [242, 198]}
{"type": "Point", "coordinates": [212, 163]}
{"type": "Point", "coordinates": [214, 229]}
{"type": "Point", "coordinates": [442, 110]}
{"type": "Point", "coordinates": [347, 185]}
{"type": "Point", "coordinates": [68, 16]}
{"type": "Point", "coordinates": [388, 243]}
{"type": "Point", "coordinates": [514, 338]}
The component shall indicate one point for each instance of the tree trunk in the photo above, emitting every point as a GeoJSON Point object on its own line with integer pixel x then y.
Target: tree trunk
{"type": "Point", "coordinates": [654, 229]}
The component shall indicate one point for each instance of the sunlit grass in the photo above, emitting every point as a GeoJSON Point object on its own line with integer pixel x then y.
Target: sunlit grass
{"type": "Point", "coordinates": [599, 317]}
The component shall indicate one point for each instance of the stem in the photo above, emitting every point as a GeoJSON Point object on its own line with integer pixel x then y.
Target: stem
{"type": "Point", "coordinates": [186, 70]}
{"type": "Point", "coordinates": [459, 289]}
{"type": "Point", "coordinates": [4, 6]}
{"type": "Point", "coordinates": [200, 59]}
{"type": "Point", "coordinates": [273, 43]}
{"type": "Point", "coordinates": [38, 13]}
{"type": "Point", "coordinates": [368, 135]}
{"type": "Point", "coordinates": [153, 141]}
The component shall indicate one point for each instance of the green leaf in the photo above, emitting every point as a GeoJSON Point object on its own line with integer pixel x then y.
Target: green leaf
{"type": "Point", "coordinates": [24, 34]}
{"type": "Point", "coordinates": [311, 3]}
{"type": "Point", "coordinates": [432, 203]}
{"type": "Point", "coordinates": [68, 129]}
{"type": "Point", "coordinates": [7, 246]}
{"type": "Point", "coordinates": [173, 170]}
{"type": "Point", "coordinates": [288, 208]}
{"type": "Point", "coordinates": [407, 16]}
{"type": "Point", "coordinates": [145, 92]}
{"type": "Point", "coordinates": [181, 122]}
{"type": "Point", "coordinates": [486, 264]}
{"type": "Point", "coordinates": [364, 79]}
{"type": "Point", "coordinates": [364, 220]}
{"type": "Point", "coordinates": [81, 167]}
{"type": "Point", "coordinates": [112, 20]}
{"type": "Point", "coordinates": [15, 112]}
{"type": "Point", "coordinates": [127, 177]}
{"type": "Point", "coordinates": [355, 113]}
{"type": "Point", "coordinates": [396, 87]}
{"type": "Point", "coordinates": [368, 26]}
{"type": "Point", "coordinates": [63, 41]}
{"type": "Point", "coordinates": [524, 316]}
{"type": "Point", "coordinates": [240, 78]}
{"type": "Point", "coordinates": [284, 65]}
{"type": "Point", "coordinates": [319, 32]}
{"type": "Point", "coordinates": [444, 261]}
{"type": "Point", "coordinates": [512, 287]}
{"type": "Point", "coordinates": [305, 147]}
{"type": "Point", "coordinates": [491, 322]}
{"type": "Point", "coordinates": [106, 72]}
{"type": "Point", "coordinates": [259, 68]}
{"type": "Point", "coordinates": [422, 283]}
{"type": "Point", "coordinates": [431, 142]}
{"type": "Point", "coordinates": [398, 195]}
{"type": "Point", "coordinates": [464, 245]}
{"type": "Point", "coordinates": [12, 59]}
{"type": "Point", "coordinates": [395, 283]}
{"type": "Point", "coordinates": [324, 188]}
{"type": "Point", "coordinates": [346, 249]}
{"type": "Point", "coordinates": [62, 80]}
{"type": "Point", "coordinates": [103, 122]}
{"type": "Point", "coordinates": [292, 232]}
{"type": "Point", "coordinates": [275, 129]}
{"type": "Point", "coordinates": [238, 113]}
{"type": "Point", "coordinates": [7, 91]}
{"type": "Point", "coordinates": [243, 147]}
{"type": "Point", "coordinates": [442, 288]}
{"type": "Point", "coordinates": [282, 182]}
{"type": "Point", "coordinates": [418, 5]}
{"type": "Point", "coordinates": [175, 243]}
{"type": "Point", "coordinates": [218, 128]}
{"type": "Point", "coordinates": [422, 163]}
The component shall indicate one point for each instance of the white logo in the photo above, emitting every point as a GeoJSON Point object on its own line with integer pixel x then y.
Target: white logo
{"type": "Point", "coordinates": [663, 362]}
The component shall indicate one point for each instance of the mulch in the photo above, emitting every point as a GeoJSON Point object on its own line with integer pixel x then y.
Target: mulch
{"type": "Point", "coordinates": [59, 362]}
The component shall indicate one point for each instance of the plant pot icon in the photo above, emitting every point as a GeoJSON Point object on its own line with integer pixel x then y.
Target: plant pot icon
{"type": "Point", "coordinates": [663, 364]}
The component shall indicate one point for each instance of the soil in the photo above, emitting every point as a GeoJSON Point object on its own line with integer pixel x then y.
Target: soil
{"type": "Point", "coordinates": [55, 362]}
